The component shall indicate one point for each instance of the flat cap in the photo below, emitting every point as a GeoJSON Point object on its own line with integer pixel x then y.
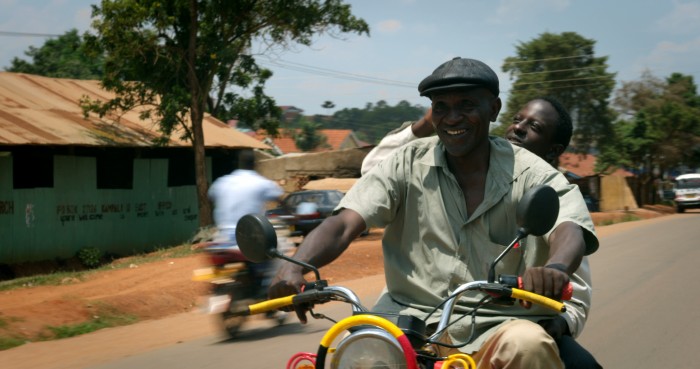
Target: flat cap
{"type": "Point", "coordinates": [458, 73]}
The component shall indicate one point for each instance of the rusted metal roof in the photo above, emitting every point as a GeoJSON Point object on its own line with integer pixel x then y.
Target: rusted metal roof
{"type": "Point", "coordinates": [37, 110]}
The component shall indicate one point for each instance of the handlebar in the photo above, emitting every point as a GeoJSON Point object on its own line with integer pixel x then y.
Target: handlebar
{"type": "Point", "coordinates": [310, 296]}
{"type": "Point", "coordinates": [555, 305]}
{"type": "Point", "coordinates": [327, 293]}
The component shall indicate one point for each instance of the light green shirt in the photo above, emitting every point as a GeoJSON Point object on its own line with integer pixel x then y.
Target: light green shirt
{"type": "Point", "coordinates": [431, 245]}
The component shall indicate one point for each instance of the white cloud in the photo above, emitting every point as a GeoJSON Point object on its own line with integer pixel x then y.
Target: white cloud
{"type": "Point", "coordinates": [509, 11]}
{"type": "Point", "coordinates": [389, 26]}
{"type": "Point", "coordinates": [684, 18]}
{"type": "Point", "coordinates": [668, 57]}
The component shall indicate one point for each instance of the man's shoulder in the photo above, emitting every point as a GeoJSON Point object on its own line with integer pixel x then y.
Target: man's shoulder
{"type": "Point", "coordinates": [421, 146]}
{"type": "Point", "coordinates": [422, 150]}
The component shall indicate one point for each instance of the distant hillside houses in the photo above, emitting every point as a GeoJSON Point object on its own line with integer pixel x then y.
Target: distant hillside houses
{"type": "Point", "coordinates": [336, 139]}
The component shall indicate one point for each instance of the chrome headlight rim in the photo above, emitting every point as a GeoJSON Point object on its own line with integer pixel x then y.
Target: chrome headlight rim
{"type": "Point", "coordinates": [377, 335]}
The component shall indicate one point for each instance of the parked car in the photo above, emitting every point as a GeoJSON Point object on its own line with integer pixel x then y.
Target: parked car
{"type": "Point", "coordinates": [687, 192]}
{"type": "Point", "coordinates": [306, 209]}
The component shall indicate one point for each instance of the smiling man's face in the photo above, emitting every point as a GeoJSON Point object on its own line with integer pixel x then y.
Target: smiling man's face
{"type": "Point", "coordinates": [461, 118]}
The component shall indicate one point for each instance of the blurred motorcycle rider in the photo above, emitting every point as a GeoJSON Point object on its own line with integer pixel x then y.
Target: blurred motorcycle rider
{"type": "Point", "coordinates": [242, 192]}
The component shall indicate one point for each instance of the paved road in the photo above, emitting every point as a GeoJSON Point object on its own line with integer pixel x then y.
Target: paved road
{"type": "Point", "coordinates": [262, 344]}
{"type": "Point", "coordinates": [646, 305]}
{"type": "Point", "coordinates": [645, 315]}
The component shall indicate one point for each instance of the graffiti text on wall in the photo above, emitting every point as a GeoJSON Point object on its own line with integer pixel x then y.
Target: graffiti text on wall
{"type": "Point", "coordinates": [112, 211]}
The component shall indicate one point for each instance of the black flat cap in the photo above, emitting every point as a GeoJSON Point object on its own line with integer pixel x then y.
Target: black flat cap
{"type": "Point", "coordinates": [457, 73]}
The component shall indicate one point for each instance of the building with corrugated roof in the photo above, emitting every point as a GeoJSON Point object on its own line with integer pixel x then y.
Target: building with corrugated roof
{"type": "Point", "coordinates": [68, 182]}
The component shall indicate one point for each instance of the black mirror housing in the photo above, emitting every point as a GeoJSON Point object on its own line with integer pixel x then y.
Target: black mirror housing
{"type": "Point", "coordinates": [256, 237]}
{"type": "Point", "coordinates": [537, 210]}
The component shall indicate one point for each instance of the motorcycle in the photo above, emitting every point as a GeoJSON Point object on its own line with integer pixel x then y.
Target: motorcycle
{"type": "Point", "coordinates": [235, 282]}
{"type": "Point", "coordinates": [375, 340]}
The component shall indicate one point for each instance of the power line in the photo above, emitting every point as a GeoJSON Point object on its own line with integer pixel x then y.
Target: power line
{"type": "Point", "coordinates": [557, 80]}
{"type": "Point", "coordinates": [27, 34]}
{"type": "Point", "coordinates": [554, 88]}
{"type": "Point", "coordinates": [558, 70]}
{"type": "Point", "coordinates": [363, 78]}
{"type": "Point", "coordinates": [336, 74]}
{"type": "Point", "coordinates": [341, 73]}
{"type": "Point", "coordinates": [547, 59]}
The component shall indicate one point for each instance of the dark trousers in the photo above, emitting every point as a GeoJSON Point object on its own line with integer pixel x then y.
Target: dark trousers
{"type": "Point", "coordinates": [574, 355]}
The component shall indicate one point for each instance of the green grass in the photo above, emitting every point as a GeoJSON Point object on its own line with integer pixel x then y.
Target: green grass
{"type": "Point", "coordinates": [625, 218]}
{"type": "Point", "coordinates": [104, 320]}
{"type": "Point", "coordinates": [7, 343]}
{"type": "Point", "coordinates": [106, 317]}
{"type": "Point", "coordinates": [58, 278]}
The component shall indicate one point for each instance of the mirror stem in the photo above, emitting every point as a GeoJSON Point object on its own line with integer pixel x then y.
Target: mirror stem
{"type": "Point", "coordinates": [277, 254]}
{"type": "Point", "coordinates": [522, 233]}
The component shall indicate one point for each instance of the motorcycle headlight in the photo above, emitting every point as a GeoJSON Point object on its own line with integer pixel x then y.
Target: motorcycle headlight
{"type": "Point", "coordinates": [368, 348]}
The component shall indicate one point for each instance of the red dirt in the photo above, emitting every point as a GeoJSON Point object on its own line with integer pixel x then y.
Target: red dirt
{"type": "Point", "coordinates": [162, 288]}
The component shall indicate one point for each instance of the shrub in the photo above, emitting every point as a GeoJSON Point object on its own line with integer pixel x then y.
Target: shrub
{"type": "Point", "coordinates": [90, 257]}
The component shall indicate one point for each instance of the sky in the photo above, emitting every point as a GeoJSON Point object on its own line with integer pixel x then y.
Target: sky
{"type": "Point", "coordinates": [410, 38]}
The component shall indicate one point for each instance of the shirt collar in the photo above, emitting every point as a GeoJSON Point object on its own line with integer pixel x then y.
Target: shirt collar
{"type": "Point", "coordinates": [503, 169]}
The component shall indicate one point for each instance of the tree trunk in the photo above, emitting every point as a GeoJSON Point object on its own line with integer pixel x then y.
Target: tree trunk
{"type": "Point", "coordinates": [196, 117]}
{"type": "Point", "coordinates": [200, 166]}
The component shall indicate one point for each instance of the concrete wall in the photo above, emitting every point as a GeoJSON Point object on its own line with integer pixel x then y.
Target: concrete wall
{"type": "Point", "coordinates": [39, 224]}
{"type": "Point", "coordinates": [295, 170]}
{"type": "Point", "coordinates": [616, 194]}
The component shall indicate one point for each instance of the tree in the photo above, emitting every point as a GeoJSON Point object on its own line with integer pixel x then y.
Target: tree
{"type": "Point", "coordinates": [659, 128]}
{"type": "Point", "coordinates": [62, 57]}
{"type": "Point", "coordinates": [307, 138]}
{"type": "Point", "coordinates": [169, 55]}
{"type": "Point", "coordinates": [328, 105]}
{"type": "Point", "coordinates": [563, 66]}
{"type": "Point", "coordinates": [375, 120]}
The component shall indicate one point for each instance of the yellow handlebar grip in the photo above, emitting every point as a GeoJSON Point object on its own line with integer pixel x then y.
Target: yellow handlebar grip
{"type": "Point", "coordinates": [265, 306]}
{"type": "Point", "coordinates": [538, 299]}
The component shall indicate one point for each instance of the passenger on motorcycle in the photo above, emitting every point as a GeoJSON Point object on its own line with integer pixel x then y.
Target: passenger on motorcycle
{"type": "Point", "coordinates": [544, 127]}
{"type": "Point", "coordinates": [447, 204]}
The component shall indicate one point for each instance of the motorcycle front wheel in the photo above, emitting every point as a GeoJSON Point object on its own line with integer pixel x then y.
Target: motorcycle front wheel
{"type": "Point", "coordinates": [232, 324]}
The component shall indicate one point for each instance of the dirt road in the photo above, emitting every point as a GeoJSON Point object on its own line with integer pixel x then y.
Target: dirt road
{"type": "Point", "coordinates": [148, 291]}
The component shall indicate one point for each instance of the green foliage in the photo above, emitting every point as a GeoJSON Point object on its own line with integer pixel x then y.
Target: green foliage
{"type": "Point", "coordinates": [90, 257]}
{"type": "Point", "coordinates": [563, 66]}
{"type": "Point", "coordinates": [375, 120]}
{"type": "Point", "coordinates": [177, 59]}
{"type": "Point", "coordinates": [308, 138]}
{"type": "Point", "coordinates": [625, 218]}
{"type": "Point", "coordinates": [7, 343]}
{"type": "Point", "coordinates": [62, 57]}
{"type": "Point", "coordinates": [106, 317]}
{"type": "Point", "coordinates": [661, 125]}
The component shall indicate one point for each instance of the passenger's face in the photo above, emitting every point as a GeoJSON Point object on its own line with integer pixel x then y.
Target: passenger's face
{"type": "Point", "coordinates": [461, 118]}
{"type": "Point", "coordinates": [534, 127]}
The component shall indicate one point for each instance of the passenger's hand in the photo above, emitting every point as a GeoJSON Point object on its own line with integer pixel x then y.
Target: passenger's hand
{"type": "Point", "coordinates": [556, 327]}
{"type": "Point", "coordinates": [546, 281]}
{"type": "Point", "coordinates": [288, 281]}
